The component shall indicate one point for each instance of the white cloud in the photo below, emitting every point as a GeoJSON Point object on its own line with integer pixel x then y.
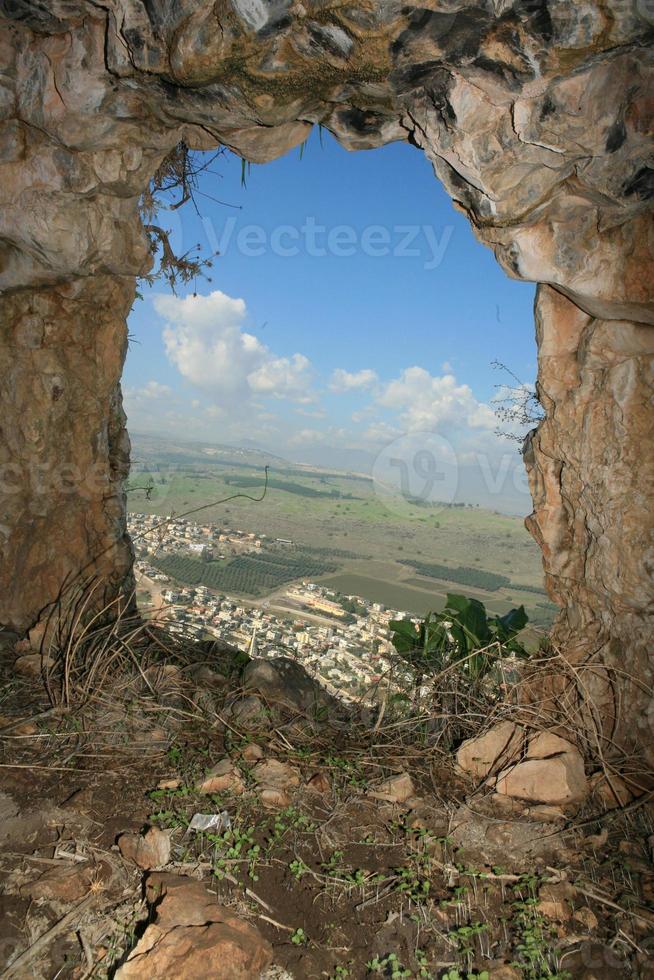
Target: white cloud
{"type": "Point", "coordinates": [381, 432]}
{"type": "Point", "coordinates": [311, 413]}
{"type": "Point", "coordinates": [342, 381]}
{"type": "Point", "coordinates": [151, 391]}
{"type": "Point", "coordinates": [204, 338]}
{"type": "Point", "coordinates": [316, 437]}
{"type": "Point", "coordinates": [435, 403]}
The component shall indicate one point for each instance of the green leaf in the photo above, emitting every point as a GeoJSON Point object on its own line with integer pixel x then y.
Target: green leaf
{"type": "Point", "coordinates": [513, 621]}
{"type": "Point", "coordinates": [470, 614]}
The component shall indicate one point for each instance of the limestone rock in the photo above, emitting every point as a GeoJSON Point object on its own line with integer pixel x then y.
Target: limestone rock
{"type": "Point", "coordinates": [319, 783]}
{"type": "Point", "coordinates": [224, 777]}
{"type": "Point", "coordinates": [274, 799]}
{"type": "Point", "coordinates": [396, 789]}
{"type": "Point", "coordinates": [286, 684]}
{"type": "Point", "coordinates": [273, 774]}
{"type": "Point", "coordinates": [252, 753]}
{"type": "Point", "coordinates": [151, 850]}
{"type": "Point", "coordinates": [611, 791]}
{"type": "Point", "coordinates": [555, 900]}
{"type": "Point", "coordinates": [193, 937]}
{"type": "Point", "coordinates": [494, 749]}
{"type": "Point", "coordinates": [248, 712]}
{"type": "Point", "coordinates": [65, 884]}
{"type": "Point", "coordinates": [557, 780]}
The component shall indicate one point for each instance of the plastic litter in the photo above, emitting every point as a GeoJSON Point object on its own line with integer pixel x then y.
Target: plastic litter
{"type": "Point", "coordinates": [210, 821]}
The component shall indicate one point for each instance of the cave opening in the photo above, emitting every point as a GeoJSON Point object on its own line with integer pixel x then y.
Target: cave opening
{"type": "Point", "coordinates": [537, 120]}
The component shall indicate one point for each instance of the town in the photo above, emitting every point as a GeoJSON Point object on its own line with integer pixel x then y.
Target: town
{"type": "Point", "coordinates": [343, 641]}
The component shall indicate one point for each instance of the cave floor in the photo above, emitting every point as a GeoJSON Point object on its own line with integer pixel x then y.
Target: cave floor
{"type": "Point", "coordinates": [340, 871]}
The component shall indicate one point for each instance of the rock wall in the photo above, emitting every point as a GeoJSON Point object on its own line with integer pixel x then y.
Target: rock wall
{"type": "Point", "coordinates": [537, 116]}
{"type": "Point", "coordinates": [64, 449]}
{"type": "Point", "coordinates": [591, 473]}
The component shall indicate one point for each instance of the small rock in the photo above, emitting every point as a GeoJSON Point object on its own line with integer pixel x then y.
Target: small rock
{"type": "Point", "coordinates": [555, 901]}
{"type": "Point", "coordinates": [612, 792]}
{"type": "Point", "coordinates": [25, 728]}
{"type": "Point", "coordinates": [397, 789]}
{"type": "Point", "coordinates": [586, 918]}
{"type": "Point", "coordinates": [151, 850]}
{"type": "Point", "coordinates": [275, 799]}
{"type": "Point", "coordinates": [319, 783]}
{"type": "Point", "coordinates": [504, 971]}
{"type": "Point", "coordinates": [169, 784]}
{"type": "Point", "coordinates": [224, 777]}
{"type": "Point", "coordinates": [594, 961]}
{"type": "Point", "coordinates": [32, 664]}
{"type": "Point", "coordinates": [65, 884]}
{"type": "Point", "coordinates": [493, 750]}
{"type": "Point", "coordinates": [252, 753]}
{"type": "Point", "coordinates": [248, 711]}
{"type": "Point", "coordinates": [273, 774]}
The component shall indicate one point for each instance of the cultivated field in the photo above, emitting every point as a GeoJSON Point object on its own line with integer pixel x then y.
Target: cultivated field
{"type": "Point", "coordinates": [404, 556]}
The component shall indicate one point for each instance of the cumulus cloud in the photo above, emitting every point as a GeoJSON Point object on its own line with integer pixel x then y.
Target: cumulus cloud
{"type": "Point", "coordinates": [151, 391]}
{"type": "Point", "coordinates": [435, 403]}
{"type": "Point", "coordinates": [205, 339]}
{"type": "Point", "coordinates": [343, 381]}
{"type": "Point", "coordinates": [316, 437]}
{"type": "Point", "coordinates": [381, 432]}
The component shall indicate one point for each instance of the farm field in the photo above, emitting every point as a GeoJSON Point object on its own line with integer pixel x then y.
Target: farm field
{"type": "Point", "coordinates": [402, 555]}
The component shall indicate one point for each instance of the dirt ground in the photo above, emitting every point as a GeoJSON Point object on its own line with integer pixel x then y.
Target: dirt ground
{"type": "Point", "coordinates": [340, 880]}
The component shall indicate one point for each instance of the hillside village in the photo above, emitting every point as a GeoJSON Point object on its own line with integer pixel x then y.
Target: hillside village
{"type": "Point", "coordinates": [341, 640]}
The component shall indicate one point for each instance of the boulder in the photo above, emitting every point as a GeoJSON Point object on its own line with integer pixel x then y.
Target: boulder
{"type": "Point", "coordinates": [544, 745]}
{"type": "Point", "coordinates": [286, 684]}
{"type": "Point", "coordinates": [491, 751]}
{"type": "Point", "coordinates": [150, 850]}
{"type": "Point", "coordinates": [556, 780]}
{"type": "Point", "coordinates": [193, 937]}
{"type": "Point", "coordinates": [552, 772]}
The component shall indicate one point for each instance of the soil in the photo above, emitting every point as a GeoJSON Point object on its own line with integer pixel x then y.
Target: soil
{"type": "Point", "coordinates": [341, 883]}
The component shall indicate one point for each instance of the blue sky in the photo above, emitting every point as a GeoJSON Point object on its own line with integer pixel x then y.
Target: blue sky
{"type": "Point", "coordinates": [351, 304]}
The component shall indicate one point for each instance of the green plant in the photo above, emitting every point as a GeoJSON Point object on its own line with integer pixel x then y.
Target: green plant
{"type": "Point", "coordinates": [455, 974]}
{"type": "Point", "coordinates": [388, 966]}
{"type": "Point", "coordinates": [234, 846]}
{"type": "Point", "coordinates": [298, 868]}
{"type": "Point", "coordinates": [462, 634]}
{"type": "Point", "coordinates": [536, 958]}
{"type": "Point", "coordinates": [411, 884]}
{"type": "Point", "coordinates": [299, 938]}
{"type": "Point", "coordinates": [465, 937]}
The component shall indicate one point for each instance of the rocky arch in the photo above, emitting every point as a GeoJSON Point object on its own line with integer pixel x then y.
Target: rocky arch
{"type": "Point", "coordinates": [536, 115]}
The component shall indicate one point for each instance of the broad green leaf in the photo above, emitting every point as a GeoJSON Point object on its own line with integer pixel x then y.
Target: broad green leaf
{"type": "Point", "coordinates": [471, 616]}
